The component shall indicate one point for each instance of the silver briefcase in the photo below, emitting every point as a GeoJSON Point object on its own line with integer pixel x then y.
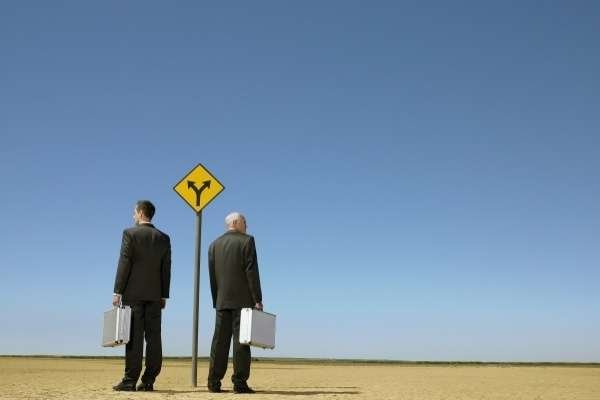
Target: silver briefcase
{"type": "Point", "coordinates": [257, 328]}
{"type": "Point", "coordinates": [117, 326]}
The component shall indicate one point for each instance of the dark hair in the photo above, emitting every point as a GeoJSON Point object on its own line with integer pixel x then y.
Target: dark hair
{"type": "Point", "coordinates": [146, 207]}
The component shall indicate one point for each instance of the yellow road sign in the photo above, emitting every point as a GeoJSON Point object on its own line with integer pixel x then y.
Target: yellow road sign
{"type": "Point", "coordinates": [198, 188]}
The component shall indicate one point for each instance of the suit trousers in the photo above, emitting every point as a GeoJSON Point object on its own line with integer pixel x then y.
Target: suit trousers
{"type": "Point", "coordinates": [227, 322]}
{"type": "Point", "coordinates": [145, 323]}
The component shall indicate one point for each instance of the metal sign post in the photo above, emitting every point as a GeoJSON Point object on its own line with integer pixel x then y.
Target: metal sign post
{"type": "Point", "coordinates": [197, 197]}
{"type": "Point", "coordinates": [196, 299]}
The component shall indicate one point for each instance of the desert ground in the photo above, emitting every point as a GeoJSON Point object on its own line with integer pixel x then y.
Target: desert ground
{"type": "Point", "coordinates": [77, 379]}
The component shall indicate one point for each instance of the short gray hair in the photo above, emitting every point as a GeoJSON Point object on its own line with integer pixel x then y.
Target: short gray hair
{"type": "Point", "coordinates": [232, 217]}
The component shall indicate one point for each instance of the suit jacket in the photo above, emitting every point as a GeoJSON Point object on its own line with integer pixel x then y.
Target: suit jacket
{"type": "Point", "coordinates": [233, 270]}
{"type": "Point", "coordinates": [144, 271]}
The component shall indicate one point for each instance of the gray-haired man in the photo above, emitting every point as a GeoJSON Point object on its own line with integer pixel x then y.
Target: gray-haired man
{"type": "Point", "coordinates": [235, 284]}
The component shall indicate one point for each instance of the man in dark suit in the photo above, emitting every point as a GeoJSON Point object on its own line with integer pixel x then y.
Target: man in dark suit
{"type": "Point", "coordinates": [235, 284]}
{"type": "Point", "coordinates": [142, 282]}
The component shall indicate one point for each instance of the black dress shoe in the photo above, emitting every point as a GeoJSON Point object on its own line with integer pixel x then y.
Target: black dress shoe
{"type": "Point", "coordinates": [243, 389]}
{"type": "Point", "coordinates": [124, 387]}
{"type": "Point", "coordinates": [145, 387]}
{"type": "Point", "coordinates": [214, 389]}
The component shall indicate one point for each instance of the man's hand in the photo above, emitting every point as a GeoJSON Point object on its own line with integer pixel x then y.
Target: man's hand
{"type": "Point", "coordinates": [163, 303]}
{"type": "Point", "coordinates": [258, 306]}
{"type": "Point", "coordinates": [116, 300]}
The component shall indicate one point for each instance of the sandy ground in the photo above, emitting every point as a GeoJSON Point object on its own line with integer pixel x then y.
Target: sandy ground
{"type": "Point", "coordinates": [71, 379]}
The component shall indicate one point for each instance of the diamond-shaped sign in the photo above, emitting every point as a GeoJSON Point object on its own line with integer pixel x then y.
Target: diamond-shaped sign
{"type": "Point", "coordinates": [198, 188]}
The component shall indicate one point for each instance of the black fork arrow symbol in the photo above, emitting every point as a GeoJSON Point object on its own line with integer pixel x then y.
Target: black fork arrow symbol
{"type": "Point", "coordinates": [198, 190]}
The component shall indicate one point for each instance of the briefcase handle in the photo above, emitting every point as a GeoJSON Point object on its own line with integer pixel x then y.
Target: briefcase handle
{"type": "Point", "coordinates": [120, 303]}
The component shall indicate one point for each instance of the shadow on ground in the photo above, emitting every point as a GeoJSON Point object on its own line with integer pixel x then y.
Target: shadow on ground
{"type": "Point", "coordinates": [277, 392]}
{"type": "Point", "coordinates": [173, 392]}
{"type": "Point", "coordinates": [304, 392]}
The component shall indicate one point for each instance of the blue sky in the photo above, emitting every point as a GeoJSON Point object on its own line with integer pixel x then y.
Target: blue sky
{"type": "Point", "coordinates": [421, 179]}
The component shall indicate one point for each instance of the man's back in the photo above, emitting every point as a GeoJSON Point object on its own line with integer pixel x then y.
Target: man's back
{"type": "Point", "coordinates": [142, 282]}
{"type": "Point", "coordinates": [233, 270]}
{"type": "Point", "coordinates": [144, 271]}
{"type": "Point", "coordinates": [235, 284]}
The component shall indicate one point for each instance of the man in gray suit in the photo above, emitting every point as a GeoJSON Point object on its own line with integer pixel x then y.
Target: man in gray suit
{"type": "Point", "coordinates": [235, 284]}
{"type": "Point", "coordinates": [142, 282]}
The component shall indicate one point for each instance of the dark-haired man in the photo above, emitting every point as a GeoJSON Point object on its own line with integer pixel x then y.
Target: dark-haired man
{"type": "Point", "coordinates": [142, 282]}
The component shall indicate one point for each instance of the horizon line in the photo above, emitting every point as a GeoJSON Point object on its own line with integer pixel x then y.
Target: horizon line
{"type": "Point", "coordinates": [335, 360]}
